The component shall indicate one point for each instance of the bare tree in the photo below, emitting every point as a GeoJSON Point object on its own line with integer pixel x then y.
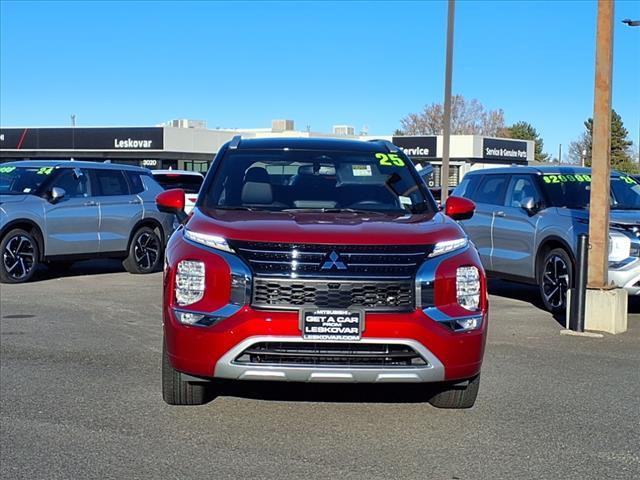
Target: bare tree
{"type": "Point", "coordinates": [468, 117]}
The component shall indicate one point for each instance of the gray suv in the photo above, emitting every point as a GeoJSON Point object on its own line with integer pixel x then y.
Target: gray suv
{"type": "Point", "coordinates": [528, 219]}
{"type": "Point", "coordinates": [56, 212]}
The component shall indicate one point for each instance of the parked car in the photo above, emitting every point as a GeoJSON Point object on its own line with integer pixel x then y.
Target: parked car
{"type": "Point", "coordinates": [187, 180]}
{"type": "Point", "coordinates": [61, 211]}
{"type": "Point", "coordinates": [528, 219]}
{"type": "Point", "coordinates": [320, 260]}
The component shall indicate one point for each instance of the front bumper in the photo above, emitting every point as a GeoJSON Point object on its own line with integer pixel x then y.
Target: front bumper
{"type": "Point", "coordinates": [211, 352]}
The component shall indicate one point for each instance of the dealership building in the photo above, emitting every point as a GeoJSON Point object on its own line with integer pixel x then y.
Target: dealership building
{"type": "Point", "coordinates": [189, 145]}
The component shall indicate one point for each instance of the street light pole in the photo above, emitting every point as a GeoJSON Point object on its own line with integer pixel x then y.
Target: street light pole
{"type": "Point", "coordinates": [601, 151]}
{"type": "Point", "coordinates": [446, 133]}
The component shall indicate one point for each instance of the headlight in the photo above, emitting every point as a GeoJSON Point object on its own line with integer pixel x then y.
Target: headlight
{"type": "Point", "coordinates": [189, 282]}
{"type": "Point", "coordinates": [447, 246]}
{"type": "Point", "coordinates": [619, 246]}
{"type": "Point", "coordinates": [468, 287]}
{"type": "Point", "coordinates": [213, 241]}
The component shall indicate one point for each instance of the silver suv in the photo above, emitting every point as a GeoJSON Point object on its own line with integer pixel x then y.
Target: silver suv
{"type": "Point", "coordinates": [528, 219]}
{"type": "Point", "coordinates": [56, 212]}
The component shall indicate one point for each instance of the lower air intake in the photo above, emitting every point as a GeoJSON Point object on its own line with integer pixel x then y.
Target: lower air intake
{"type": "Point", "coordinates": [331, 355]}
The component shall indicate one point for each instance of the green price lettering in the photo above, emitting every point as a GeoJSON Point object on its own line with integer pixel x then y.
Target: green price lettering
{"type": "Point", "coordinates": [628, 180]}
{"type": "Point", "coordinates": [390, 159]}
{"type": "Point", "coordinates": [7, 169]}
{"type": "Point", "coordinates": [45, 171]}
{"type": "Point", "coordinates": [567, 178]}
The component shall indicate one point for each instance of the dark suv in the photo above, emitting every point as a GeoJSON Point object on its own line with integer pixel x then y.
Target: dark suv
{"type": "Point", "coordinates": [320, 260]}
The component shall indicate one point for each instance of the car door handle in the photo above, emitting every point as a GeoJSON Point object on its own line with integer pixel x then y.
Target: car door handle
{"type": "Point", "coordinates": [138, 202]}
{"type": "Point", "coordinates": [500, 214]}
{"type": "Point", "coordinates": [90, 203]}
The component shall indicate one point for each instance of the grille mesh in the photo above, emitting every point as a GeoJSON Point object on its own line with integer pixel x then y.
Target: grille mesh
{"type": "Point", "coordinates": [293, 294]}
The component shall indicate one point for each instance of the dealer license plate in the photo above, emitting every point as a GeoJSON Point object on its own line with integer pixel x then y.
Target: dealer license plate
{"type": "Point", "coordinates": [324, 324]}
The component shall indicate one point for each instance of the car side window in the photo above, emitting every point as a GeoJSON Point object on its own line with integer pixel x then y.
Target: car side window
{"type": "Point", "coordinates": [466, 186]}
{"type": "Point", "coordinates": [110, 182]}
{"type": "Point", "coordinates": [135, 181]}
{"type": "Point", "coordinates": [74, 182]}
{"type": "Point", "coordinates": [491, 190]}
{"type": "Point", "coordinates": [521, 187]}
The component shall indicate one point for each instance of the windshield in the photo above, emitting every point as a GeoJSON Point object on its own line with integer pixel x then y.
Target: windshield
{"type": "Point", "coordinates": [574, 191]}
{"type": "Point", "coordinates": [290, 180]}
{"type": "Point", "coordinates": [189, 183]}
{"type": "Point", "coordinates": [17, 180]}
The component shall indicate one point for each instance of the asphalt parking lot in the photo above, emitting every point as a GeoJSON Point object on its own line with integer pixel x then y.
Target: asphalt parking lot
{"type": "Point", "coordinates": [80, 398]}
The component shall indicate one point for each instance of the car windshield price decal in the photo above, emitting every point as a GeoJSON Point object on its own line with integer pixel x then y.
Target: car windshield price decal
{"type": "Point", "coordinates": [45, 171]}
{"type": "Point", "coordinates": [7, 169]}
{"type": "Point", "coordinates": [628, 180]}
{"type": "Point", "coordinates": [566, 178]}
{"type": "Point", "coordinates": [389, 160]}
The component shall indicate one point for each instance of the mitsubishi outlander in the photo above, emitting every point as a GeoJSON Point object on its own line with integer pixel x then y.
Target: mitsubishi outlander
{"type": "Point", "coordinates": [320, 260]}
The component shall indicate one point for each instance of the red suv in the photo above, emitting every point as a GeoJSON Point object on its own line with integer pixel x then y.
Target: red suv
{"type": "Point", "coordinates": [321, 260]}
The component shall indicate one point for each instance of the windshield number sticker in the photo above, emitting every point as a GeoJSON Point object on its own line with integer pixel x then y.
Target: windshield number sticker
{"type": "Point", "coordinates": [7, 169]}
{"type": "Point", "coordinates": [45, 171]}
{"type": "Point", "coordinates": [390, 160]}
{"type": "Point", "coordinates": [628, 180]}
{"type": "Point", "coordinates": [566, 178]}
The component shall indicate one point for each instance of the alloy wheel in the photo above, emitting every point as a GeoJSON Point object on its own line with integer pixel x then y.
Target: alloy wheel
{"type": "Point", "coordinates": [555, 281]}
{"type": "Point", "coordinates": [146, 250]}
{"type": "Point", "coordinates": [18, 257]}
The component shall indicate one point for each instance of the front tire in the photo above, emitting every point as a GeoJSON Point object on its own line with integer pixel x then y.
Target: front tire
{"type": "Point", "coordinates": [20, 256]}
{"type": "Point", "coordinates": [176, 391]}
{"type": "Point", "coordinates": [556, 278]}
{"type": "Point", "coordinates": [457, 397]}
{"type": "Point", "coordinates": [145, 252]}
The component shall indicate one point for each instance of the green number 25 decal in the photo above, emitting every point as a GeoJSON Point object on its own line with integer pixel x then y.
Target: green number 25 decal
{"type": "Point", "coordinates": [390, 159]}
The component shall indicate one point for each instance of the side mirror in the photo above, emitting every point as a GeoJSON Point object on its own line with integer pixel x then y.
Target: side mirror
{"type": "Point", "coordinates": [459, 208]}
{"type": "Point", "coordinates": [57, 194]}
{"type": "Point", "coordinates": [172, 201]}
{"type": "Point", "coordinates": [529, 205]}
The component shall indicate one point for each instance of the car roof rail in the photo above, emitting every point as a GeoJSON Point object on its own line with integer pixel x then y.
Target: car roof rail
{"type": "Point", "coordinates": [390, 146]}
{"type": "Point", "coordinates": [235, 141]}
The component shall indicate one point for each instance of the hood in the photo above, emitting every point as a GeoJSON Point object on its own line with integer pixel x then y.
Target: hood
{"type": "Point", "coordinates": [619, 217]}
{"type": "Point", "coordinates": [13, 198]}
{"type": "Point", "coordinates": [325, 228]}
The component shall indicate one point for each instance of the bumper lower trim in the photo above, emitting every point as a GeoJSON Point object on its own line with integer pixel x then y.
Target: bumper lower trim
{"type": "Point", "coordinates": [227, 368]}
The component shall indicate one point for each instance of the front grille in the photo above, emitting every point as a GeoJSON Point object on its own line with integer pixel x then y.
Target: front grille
{"type": "Point", "coordinates": [331, 355]}
{"type": "Point", "coordinates": [304, 260]}
{"type": "Point", "coordinates": [294, 294]}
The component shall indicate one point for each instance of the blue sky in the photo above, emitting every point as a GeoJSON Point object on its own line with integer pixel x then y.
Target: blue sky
{"type": "Point", "coordinates": [241, 64]}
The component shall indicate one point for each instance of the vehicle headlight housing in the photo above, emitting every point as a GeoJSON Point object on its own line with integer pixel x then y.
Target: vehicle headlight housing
{"type": "Point", "coordinates": [468, 287]}
{"type": "Point", "coordinates": [189, 285]}
{"type": "Point", "coordinates": [447, 246]}
{"type": "Point", "coordinates": [213, 241]}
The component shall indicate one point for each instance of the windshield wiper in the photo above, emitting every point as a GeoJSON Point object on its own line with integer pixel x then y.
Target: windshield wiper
{"type": "Point", "coordinates": [246, 209]}
{"type": "Point", "coordinates": [624, 207]}
{"type": "Point", "coordinates": [332, 210]}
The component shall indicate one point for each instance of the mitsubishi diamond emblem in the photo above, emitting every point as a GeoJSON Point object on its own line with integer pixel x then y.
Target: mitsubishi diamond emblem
{"type": "Point", "coordinates": [333, 261]}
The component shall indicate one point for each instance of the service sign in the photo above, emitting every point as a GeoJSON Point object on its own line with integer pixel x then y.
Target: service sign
{"type": "Point", "coordinates": [417, 146]}
{"type": "Point", "coordinates": [79, 138]}
{"type": "Point", "coordinates": [501, 149]}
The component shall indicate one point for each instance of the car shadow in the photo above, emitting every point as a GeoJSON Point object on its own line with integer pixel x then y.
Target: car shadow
{"type": "Point", "coordinates": [81, 268]}
{"type": "Point", "coordinates": [523, 292]}
{"type": "Point", "coordinates": [325, 392]}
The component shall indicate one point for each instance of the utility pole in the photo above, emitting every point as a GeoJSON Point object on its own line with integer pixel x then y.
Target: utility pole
{"type": "Point", "coordinates": [601, 151]}
{"type": "Point", "coordinates": [446, 134]}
